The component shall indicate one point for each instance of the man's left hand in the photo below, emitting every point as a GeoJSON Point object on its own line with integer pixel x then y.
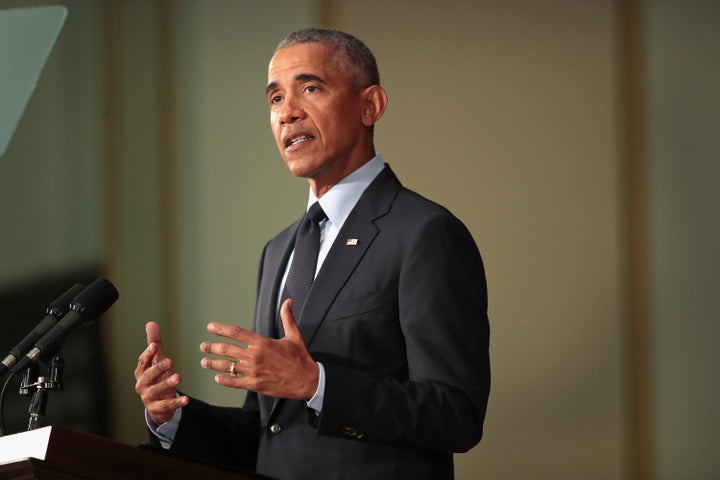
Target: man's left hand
{"type": "Point", "coordinates": [276, 367]}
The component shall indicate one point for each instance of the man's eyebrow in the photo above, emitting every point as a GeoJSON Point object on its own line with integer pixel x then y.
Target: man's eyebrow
{"type": "Point", "coordinates": [300, 77]}
{"type": "Point", "coordinates": [304, 77]}
{"type": "Point", "coordinates": [271, 86]}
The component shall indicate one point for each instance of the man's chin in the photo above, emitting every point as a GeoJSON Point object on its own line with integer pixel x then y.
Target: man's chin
{"type": "Point", "coordinates": [299, 169]}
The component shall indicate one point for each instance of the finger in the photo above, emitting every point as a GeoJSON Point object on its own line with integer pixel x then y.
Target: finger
{"type": "Point", "coordinates": [145, 360]}
{"type": "Point", "coordinates": [151, 391]}
{"type": "Point", "coordinates": [231, 367]}
{"type": "Point", "coordinates": [163, 410]}
{"type": "Point", "coordinates": [233, 382]}
{"type": "Point", "coordinates": [222, 348]}
{"type": "Point", "coordinates": [232, 332]}
{"type": "Point", "coordinates": [288, 320]}
{"type": "Point", "coordinates": [157, 373]}
{"type": "Point", "coordinates": [152, 331]}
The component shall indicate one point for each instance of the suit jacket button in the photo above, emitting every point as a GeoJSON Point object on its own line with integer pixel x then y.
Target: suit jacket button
{"type": "Point", "coordinates": [275, 428]}
{"type": "Point", "coordinates": [349, 431]}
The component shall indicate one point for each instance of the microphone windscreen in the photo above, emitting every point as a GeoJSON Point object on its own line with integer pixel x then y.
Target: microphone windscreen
{"type": "Point", "coordinates": [95, 300]}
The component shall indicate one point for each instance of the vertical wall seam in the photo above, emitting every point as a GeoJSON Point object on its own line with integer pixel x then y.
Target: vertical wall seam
{"type": "Point", "coordinates": [169, 173]}
{"type": "Point", "coordinates": [639, 345]}
{"type": "Point", "coordinates": [328, 13]}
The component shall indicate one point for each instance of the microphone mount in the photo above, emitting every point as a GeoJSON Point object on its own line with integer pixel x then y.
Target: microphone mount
{"type": "Point", "coordinates": [39, 387]}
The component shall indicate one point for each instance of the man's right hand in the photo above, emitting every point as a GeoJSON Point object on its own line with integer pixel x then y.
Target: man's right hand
{"type": "Point", "coordinates": [154, 380]}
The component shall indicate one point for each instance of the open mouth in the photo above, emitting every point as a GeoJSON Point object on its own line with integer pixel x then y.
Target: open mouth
{"type": "Point", "coordinates": [294, 140]}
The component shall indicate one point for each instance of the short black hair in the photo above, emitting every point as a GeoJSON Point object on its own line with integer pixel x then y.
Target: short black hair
{"type": "Point", "coordinates": [352, 56]}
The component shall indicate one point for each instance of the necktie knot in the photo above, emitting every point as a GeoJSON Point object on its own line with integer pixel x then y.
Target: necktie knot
{"type": "Point", "coordinates": [315, 213]}
{"type": "Point", "coordinates": [310, 228]}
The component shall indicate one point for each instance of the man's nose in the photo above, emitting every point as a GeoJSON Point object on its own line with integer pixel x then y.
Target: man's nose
{"type": "Point", "coordinates": [290, 111]}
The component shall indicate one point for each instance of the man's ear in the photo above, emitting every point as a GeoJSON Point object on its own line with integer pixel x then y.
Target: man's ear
{"type": "Point", "coordinates": [375, 102]}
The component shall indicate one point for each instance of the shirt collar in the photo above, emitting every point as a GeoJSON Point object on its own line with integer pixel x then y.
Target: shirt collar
{"type": "Point", "coordinates": [338, 202]}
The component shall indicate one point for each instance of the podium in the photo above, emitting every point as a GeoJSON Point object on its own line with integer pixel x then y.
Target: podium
{"type": "Point", "coordinates": [53, 453]}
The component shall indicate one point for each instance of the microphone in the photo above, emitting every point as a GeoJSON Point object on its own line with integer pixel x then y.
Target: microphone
{"type": "Point", "coordinates": [55, 311]}
{"type": "Point", "coordinates": [84, 309]}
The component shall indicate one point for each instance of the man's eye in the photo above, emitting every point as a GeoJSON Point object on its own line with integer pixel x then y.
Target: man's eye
{"type": "Point", "coordinates": [275, 99]}
{"type": "Point", "coordinates": [311, 88]}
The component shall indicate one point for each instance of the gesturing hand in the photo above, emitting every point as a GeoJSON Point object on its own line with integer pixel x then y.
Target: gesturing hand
{"type": "Point", "coordinates": [155, 382]}
{"type": "Point", "coordinates": [279, 368]}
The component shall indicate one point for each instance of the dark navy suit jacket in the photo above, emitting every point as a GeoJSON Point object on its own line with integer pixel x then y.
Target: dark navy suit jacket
{"type": "Point", "coordinates": [398, 318]}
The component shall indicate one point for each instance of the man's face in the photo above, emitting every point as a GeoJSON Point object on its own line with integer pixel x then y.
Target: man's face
{"type": "Point", "coordinates": [316, 116]}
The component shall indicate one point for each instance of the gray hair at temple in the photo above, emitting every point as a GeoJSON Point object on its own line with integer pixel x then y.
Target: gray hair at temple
{"type": "Point", "coordinates": [352, 56]}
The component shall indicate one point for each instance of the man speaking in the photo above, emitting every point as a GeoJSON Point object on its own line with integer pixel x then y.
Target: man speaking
{"type": "Point", "coordinates": [369, 353]}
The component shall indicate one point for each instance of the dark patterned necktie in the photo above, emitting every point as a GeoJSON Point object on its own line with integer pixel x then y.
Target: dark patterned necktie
{"type": "Point", "coordinates": [302, 270]}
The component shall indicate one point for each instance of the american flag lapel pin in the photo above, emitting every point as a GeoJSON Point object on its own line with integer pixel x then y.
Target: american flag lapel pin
{"type": "Point", "coordinates": [351, 242]}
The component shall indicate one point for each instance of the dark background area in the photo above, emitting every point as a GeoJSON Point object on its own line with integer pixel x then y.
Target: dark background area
{"type": "Point", "coordinates": [82, 403]}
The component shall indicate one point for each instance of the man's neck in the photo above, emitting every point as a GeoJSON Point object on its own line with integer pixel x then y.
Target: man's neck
{"type": "Point", "coordinates": [322, 183]}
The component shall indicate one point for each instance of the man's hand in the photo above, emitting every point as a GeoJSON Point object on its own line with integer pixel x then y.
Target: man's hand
{"type": "Point", "coordinates": [155, 382]}
{"type": "Point", "coordinates": [279, 368]}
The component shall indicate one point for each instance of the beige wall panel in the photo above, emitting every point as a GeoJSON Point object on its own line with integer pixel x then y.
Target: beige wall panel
{"type": "Point", "coordinates": [683, 61]}
{"type": "Point", "coordinates": [506, 112]}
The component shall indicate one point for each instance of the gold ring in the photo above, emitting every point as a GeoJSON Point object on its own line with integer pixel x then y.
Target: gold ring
{"type": "Point", "coordinates": [232, 369]}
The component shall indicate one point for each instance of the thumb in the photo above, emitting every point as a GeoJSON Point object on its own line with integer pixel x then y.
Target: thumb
{"type": "Point", "coordinates": [288, 319]}
{"type": "Point", "coordinates": [152, 331]}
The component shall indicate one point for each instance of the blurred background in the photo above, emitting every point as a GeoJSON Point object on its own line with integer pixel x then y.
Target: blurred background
{"type": "Point", "coordinates": [578, 140]}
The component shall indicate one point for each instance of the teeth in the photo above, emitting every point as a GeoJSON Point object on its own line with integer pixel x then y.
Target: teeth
{"type": "Point", "coordinates": [299, 139]}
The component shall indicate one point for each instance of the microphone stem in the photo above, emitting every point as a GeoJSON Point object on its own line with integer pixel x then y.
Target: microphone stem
{"type": "Point", "coordinates": [37, 409]}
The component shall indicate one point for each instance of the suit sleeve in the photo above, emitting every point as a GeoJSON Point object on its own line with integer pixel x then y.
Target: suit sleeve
{"type": "Point", "coordinates": [224, 435]}
{"type": "Point", "coordinates": [440, 401]}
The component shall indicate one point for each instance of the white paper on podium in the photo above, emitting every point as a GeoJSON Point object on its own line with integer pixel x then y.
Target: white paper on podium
{"type": "Point", "coordinates": [27, 36]}
{"type": "Point", "coordinates": [32, 444]}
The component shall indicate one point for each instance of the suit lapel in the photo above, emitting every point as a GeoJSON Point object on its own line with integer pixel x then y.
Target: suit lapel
{"type": "Point", "coordinates": [346, 253]}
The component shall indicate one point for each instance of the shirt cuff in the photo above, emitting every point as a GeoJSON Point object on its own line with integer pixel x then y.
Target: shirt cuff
{"type": "Point", "coordinates": [166, 431]}
{"type": "Point", "coordinates": [316, 402]}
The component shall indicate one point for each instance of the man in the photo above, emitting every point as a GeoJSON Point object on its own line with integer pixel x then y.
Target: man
{"type": "Point", "coordinates": [381, 371]}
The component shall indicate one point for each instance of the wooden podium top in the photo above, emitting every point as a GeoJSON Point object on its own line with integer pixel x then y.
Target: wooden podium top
{"type": "Point", "coordinates": [56, 453]}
